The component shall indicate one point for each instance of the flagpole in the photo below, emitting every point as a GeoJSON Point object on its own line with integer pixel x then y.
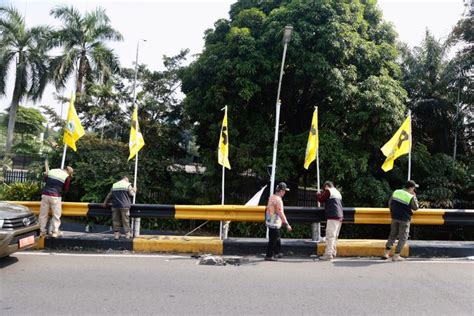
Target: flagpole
{"type": "Point", "coordinates": [221, 227]}
{"type": "Point", "coordinates": [136, 221]}
{"type": "Point", "coordinates": [410, 144]}
{"type": "Point", "coordinates": [64, 156]}
{"type": "Point", "coordinates": [317, 226]}
{"type": "Point", "coordinates": [222, 234]}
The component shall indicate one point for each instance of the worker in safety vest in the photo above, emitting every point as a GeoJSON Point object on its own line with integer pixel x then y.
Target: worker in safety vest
{"type": "Point", "coordinates": [402, 204]}
{"type": "Point", "coordinates": [332, 200]}
{"type": "Point", "coordinates": [57, 181]}
{"type": "Point", "coordinates": [120, 195]}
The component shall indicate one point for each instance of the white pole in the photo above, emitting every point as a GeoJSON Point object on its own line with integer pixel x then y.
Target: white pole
{"type": "Point", "coordinates": [317, 226]}
{"type": "Point", "coordinates": [221, 227]}
{"type": "Point", "coordinates": [410, 144]}
{"type": "Point", "coordinates": [286, 39]}
{"type": "Point", "coordinates": [136, 221]}
{"type": "Point", "coordinates": [64, 156]}
{"type": "Point", "coordinates": [277, 121]}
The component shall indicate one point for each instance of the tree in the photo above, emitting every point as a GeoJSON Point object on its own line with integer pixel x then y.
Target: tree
{"type": "Point", "coordinates": [424, 77]}
{"type": "Point", "coordinates": [84, 52]}
{"type": "Point", "coordinates": [29, 124]}
{"type": "Point", "coordinates": [29, 121]}
{"type": "Point", "coordinates": [26, 48]}
{"type": "Point", "coordinates": [342, 57]}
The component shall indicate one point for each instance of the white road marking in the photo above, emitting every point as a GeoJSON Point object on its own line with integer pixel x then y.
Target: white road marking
{"type": "Point", "coordinates": [110, 255]}
{"type": "Point", "coordinates": [162, 256]}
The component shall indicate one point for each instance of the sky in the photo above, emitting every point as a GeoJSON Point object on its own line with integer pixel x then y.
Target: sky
{"type": "Point", "coordinates": [172, 25]}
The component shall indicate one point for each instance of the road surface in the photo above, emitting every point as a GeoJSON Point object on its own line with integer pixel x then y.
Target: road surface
{"type": "Point", "coordinates": [40, 283]}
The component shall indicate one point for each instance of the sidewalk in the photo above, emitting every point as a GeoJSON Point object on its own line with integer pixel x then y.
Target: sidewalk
{"type": "Point", "coordinates": [249, 246]}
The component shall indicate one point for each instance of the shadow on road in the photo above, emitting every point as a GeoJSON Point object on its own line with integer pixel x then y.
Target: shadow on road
{"type": "Point", "coordinates": [6, 261]}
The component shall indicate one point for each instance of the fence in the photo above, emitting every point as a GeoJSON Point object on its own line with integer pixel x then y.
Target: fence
{"type": "Point", "coordinates": [11, 176]}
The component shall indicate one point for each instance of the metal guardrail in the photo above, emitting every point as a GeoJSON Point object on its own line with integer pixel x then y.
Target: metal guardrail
{"type": "Point", "coordinates": [240, 213]}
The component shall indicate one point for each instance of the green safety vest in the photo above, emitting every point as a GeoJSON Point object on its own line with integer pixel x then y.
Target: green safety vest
{"type": "Point", "coordinates": [58, 174]}
{"type": "Point", "coordinates": [402, 196]}
{"type": "Point", "coordinates": [120, 186]}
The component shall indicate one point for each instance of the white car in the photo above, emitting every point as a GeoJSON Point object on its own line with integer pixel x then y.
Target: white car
{"type": "Point", "coordinates": [19, 228]}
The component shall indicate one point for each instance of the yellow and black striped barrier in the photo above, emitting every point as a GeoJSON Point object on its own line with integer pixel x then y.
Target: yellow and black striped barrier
{"type": "Point", "coordinates": [241, 213]}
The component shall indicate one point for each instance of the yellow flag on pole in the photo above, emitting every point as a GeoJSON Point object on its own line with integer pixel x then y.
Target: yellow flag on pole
{"type": "Point", "coordinates": [223, 150]}
{"type": "Point", "coordinates": [73, 130]}
{"type": "Point", "coordinates": [313, 141]}
{"type": "Point", "coordinates": [136, 141]}
{"type": "Point", "coordinates": [398, 145]}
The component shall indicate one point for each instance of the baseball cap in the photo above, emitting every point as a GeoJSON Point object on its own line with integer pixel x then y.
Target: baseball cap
{"type": "Point", "coordinates": [282, 186]}
{"type": "Point", "coordinates": [411, 184]}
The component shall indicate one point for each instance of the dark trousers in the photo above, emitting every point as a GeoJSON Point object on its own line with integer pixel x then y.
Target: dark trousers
{"type": "Point", "coordinates": [121, 218]}
{"type": "Point", "coordinates": [274, 242]}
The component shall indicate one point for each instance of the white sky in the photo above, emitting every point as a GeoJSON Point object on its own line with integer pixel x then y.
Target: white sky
{"type": "Point", "coordinates": [169, 26]}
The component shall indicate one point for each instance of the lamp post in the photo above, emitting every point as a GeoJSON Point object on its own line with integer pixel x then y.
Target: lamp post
{"type": "Point", "coordinates": [136, 221]}
{"type": "Point", "coordinates": [286, 39]}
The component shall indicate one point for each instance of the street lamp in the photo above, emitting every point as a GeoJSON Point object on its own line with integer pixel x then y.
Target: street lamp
{"type": "Point", "coordinates": [286, 39]}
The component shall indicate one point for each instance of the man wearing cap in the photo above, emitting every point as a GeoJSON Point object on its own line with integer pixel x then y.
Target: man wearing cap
{"type": "Point", "coordinates": [332, 199]}
{"type": "Point", "coordinates": [274, 218]}
{"type": "Point", "coordinates": [402, 204]}
{"type": "Point", "coordinates": [120, 195]}
{"type": "Point", "coordinates": [56, 180]}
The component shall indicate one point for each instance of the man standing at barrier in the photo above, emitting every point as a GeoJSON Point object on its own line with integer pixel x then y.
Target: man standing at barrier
{"type": "Point", "coordinates": [274, 218]}
{"type": "Point", "coordinates": [56, 180]}
{"type": "Point", "coordinates": [402, 204]}
{"type": "Point", "coordinates": [332, 200]}
{"type": "Point", "coordinates": [120, 195]}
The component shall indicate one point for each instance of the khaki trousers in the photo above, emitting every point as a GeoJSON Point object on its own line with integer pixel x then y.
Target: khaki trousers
{"type": "Point", "coordinates": [47, 203]}
{"type": "Point", "coordinates": [332, 233]}
{"type": "Point", "coordinates": [398, 230]}
{"type": "Point", "coordinates": [121, 218]}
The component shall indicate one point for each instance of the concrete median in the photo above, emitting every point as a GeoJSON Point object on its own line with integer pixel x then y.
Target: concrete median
{"type": "Point", "coordinates": [250, 246]}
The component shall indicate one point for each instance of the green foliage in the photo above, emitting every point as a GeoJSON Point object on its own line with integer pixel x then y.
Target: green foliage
{"type": "Point", "coordinates": [28, 191]}
{"type": "Point", "coordinates": [97, 164]}
{"type": "Point", "coordinates": [26, 49]}
{"type": "Point", "coordinates": [82, 37]}
{"type": "Point", "coordinates": [28, 121]}
{"type": "Point", "coordinates": [342, 57]}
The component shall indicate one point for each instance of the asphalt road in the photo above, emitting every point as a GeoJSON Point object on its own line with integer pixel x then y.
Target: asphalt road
{"type": "Point", "coordinates": [37, 283]}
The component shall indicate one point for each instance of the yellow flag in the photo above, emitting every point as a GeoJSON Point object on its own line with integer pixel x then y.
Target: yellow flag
{"type": "Point", "coordinates": [398, 145]}
{"type": "Point", "coordinates": [313, 141]}
{"type": "Point", "coordinates": [73, 130]}
{"type": "Point", "coordinates": [223, 151]}
{"type": "Point", "coordinates": [136, 141]}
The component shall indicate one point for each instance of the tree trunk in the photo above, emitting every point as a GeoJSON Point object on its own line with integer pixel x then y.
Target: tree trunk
{"type": "Point", "coordinates": [17, 92]}
{"type": "Point", "coordinates": [81, 73]}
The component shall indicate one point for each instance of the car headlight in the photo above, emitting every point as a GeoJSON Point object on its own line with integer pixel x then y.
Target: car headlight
{"type": "Point", "coordinates": [1, 223]}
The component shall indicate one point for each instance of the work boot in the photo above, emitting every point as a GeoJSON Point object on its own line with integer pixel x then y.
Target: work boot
{"type": "Point", "coordinates": [396, 257]}
{"type": "Point", "coordinates": [42, 234]}
{"type": "Point", "coordinates": [128, 235]}
{"type": "Point", "coordinates": [57, 234]}
{"type": "Point", "coordinates": [386, 254]}
{"type": "Point", "coordinates": [116, 235]}
{"type": "Point", "coordinates": [326, 258]}
{"type": "Point", "coordinates": [270, 259]}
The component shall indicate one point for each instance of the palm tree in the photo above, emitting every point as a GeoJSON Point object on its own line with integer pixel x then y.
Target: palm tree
{"type": "Point", "coordinates": [26, 49]}
{"type": "Point", "coordinates": [84, 52]}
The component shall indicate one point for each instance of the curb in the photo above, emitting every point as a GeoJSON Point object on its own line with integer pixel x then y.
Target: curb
{"type": "Point", "coordinates": [251, 246]}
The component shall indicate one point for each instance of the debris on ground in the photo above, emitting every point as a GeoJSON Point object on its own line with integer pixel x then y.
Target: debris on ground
{"type": "Point", "coordinates": [213, 260]}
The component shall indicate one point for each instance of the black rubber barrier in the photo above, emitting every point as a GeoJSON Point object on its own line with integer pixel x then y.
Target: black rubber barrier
{"type": "Point", "coordinates": [85, 242]}
{"type": "Point", "coordinates": [295, 214]}
{"type": "Point", "coordinates": [258, 246]}
{"type": "Point", "coordinates": [459, 217]}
